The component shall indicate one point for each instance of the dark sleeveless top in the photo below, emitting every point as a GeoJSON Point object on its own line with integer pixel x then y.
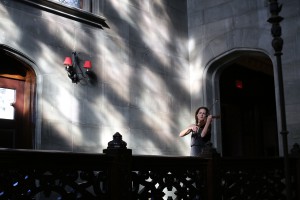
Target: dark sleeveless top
{"type": "Point", "coordinates": [197, 140]}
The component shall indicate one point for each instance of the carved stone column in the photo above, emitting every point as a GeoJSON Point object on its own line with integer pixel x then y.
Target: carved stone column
{"type": "Point", "coordinates": [277, 44]}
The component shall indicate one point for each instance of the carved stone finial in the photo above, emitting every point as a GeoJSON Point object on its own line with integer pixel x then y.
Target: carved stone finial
{"type": "Point", "coordinates": [117, 142]}
{"type": "Point", "coordinates": [275, 19]}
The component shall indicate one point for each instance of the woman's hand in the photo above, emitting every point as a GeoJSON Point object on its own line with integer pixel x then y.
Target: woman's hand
{"type": "Point", "coordinates": [209, 119]}
{"type": "Point", "coordinates": [207, 124]}
{"type": "Point", "coordinates": [195, 128]}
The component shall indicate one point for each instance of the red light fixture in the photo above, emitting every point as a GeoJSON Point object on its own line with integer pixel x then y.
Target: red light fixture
{"type": "Point", "coordinates": [87, 64]}
{"type": "Point", "coordinates": [239, 84]}
{"type": "Point", "coordinates": [68, 61]}
{"type": "Point", "coordinates": [74, 71]}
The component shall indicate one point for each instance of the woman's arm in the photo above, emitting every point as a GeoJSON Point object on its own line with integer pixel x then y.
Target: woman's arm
{"type": "Point", "coordinates": [207, 126]}
{"type": "Point", "coordinates": [187, 130]}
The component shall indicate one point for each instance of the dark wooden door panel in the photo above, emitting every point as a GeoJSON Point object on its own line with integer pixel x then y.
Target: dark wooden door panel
{"type": "Point", "coordinates": [10, 129]}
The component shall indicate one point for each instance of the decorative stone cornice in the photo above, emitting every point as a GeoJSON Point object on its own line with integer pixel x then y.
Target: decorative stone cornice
{"type": "Point", "coordinates": [68, 12]}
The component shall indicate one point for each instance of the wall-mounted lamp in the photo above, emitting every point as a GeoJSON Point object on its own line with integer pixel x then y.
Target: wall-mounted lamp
{"type": "Point", "coordinates": [75, 72]}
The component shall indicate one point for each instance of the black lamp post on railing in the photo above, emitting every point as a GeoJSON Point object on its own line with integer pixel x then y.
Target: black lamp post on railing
{"type": "Point", "coordinates": [277, 44]}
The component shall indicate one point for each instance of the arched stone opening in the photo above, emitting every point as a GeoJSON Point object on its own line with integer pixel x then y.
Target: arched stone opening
{"type": "Point", "coordinates": [19, 78]}
{"type": "Point", "coordinates": [241, 85]}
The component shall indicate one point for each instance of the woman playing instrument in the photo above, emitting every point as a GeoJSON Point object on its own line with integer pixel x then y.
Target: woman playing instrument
{"type": "Point", "coordinates": [200, 131]}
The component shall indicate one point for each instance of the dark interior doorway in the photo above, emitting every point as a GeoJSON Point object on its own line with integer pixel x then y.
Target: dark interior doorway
{"type": "Point", "coordinates": [17, 89]}
{"type": "Point", "coordinates": [248, 110]}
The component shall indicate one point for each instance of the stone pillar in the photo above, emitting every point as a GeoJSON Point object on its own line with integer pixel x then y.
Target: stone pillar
{"type": "Point", "coordinates": [119, 173]}
{"type": "Point", "coordinates": [277, 44]}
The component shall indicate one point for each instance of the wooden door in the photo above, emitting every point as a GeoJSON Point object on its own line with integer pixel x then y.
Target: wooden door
{"type": "Point", "coordinates": [12, 112]}
{"type": "Point", "coordinates": [249, 126]}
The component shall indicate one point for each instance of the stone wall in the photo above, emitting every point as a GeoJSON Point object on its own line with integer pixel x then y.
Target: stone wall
{"type": "Point", "coordinates": [219, 27]}
{"type": "Point", "coordinates": [141, 64]}
{"type": "Point", "coordinates": [149, 64]}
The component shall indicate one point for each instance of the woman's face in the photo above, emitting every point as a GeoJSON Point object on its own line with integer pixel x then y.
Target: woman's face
{"type": "Point", "coordinates": [201, 115]}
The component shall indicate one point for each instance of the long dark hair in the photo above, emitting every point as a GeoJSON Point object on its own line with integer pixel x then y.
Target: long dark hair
{"type": "Point", "coordinates": [202, 107]}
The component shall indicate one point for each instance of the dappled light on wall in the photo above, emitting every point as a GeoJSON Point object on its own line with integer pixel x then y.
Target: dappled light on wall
{"type": "Point", "coordinates": [141, 70]}
{"type": "Point", "coordinates": [9, 27]}
{"type": "Point", "coordinates": [57, 102]}
{"type": "Point", "coordinates": [117, 73]}
{"type": "Point", "coordinates": [150, 72]}
{"type": "Point", "coordinates": [159, 37]}
{"type": "Point", "coordinates": [196, 71]}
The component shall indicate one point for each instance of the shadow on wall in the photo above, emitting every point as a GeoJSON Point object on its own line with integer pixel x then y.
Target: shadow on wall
{"type": "Point", "coordinates": [39, 38]}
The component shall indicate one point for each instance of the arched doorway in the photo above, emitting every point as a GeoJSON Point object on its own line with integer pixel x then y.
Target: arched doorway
{"type": "Point", "coordinates": [17, 91]}
{"type": "Point", "coordinates": [243, 84]}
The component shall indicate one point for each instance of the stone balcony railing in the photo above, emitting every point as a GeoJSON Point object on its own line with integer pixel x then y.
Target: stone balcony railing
{"type": "Point", "coordinates": [117, 174]}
